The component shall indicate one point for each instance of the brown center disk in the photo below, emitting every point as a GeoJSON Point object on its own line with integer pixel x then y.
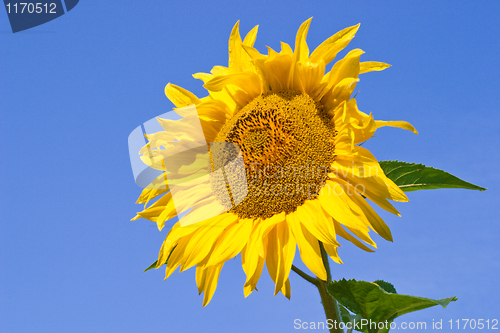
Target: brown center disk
{"type": "Point", "coordinates": [286, 140]}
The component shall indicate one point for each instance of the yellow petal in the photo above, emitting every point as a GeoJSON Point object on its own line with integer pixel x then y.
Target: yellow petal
{"type": "Point", "coordinates": [312, 217]}
{"type": "Point", "coordinates": [200, 278]}
{"type": "Point", "coordinates": [205, 77]}
{"type": "Point", "coordinates": [365, 213]}
{"type": "Point", "coordinates": [370, 66]}
{"type": "Point", "coordinates": [401, 124]}
{"type": "Point", "coordinates": [344, 234]}
{"type": "Point", "coordinates": [249, 82]}
{"type": "Point", "coordinates": [220, 70]}
{"type": "Point", "coordinates": [201, 241]}
{"type": "Point", "coordinates": [301, 53]}
{"type": "Point", "coordinates": [198, 214]}
{"type": "Point", "coordinates": [281, 251]}
{"type": "Point", "coordinates": [327, 50]}
{"type": "Point", "coordinates": [309, 76]}
{"type": "Point", "coordinates": [189, 196]}
{"type": "Point", "coordinates": [253, 257]}
{"type": "Point", "coordinates": [268, 224]}
{"type": "Point", "coordinates": [212, 110]}
{"type": "Point", "coordinates": [239, 60]}
{"type": "Point", "coordinates": [152, 212]}
{"type": "Point", "coordinates": [341, 92]}
{"type": "Point", "coordinates": [273, 257]}
{"type": "Point", "coordinates": [253, 53]}
{"type": "Point", "coordinates": [180, 96]}
{"type": "Point", "coordinates": [301, 49]}
{"type": "Point", "coordinates": [336, 202]}
{"type": "Point", "coordinates": [278, 71]}
{"type": "Point", "coordinates": [157, 187]}
{"type": "Point", "coordinates": [231, 242]}
{"type": "Point", "coordinates": [168, 213]}
{"type": "Point", "coordinates": [365, 165]}
{"type": "Point", "coordinates": [309, 249]}
{"type": "Point", "coordinates": [374, 187]}
{"type": "Point", "coordinates": [251, 36]}
{"type": "Point", "coordinates": [234, 46]}
{"type": "Point", "coordinates": [332, 252]}
{"type": "Point", "coordinates": [174, 257]}
{"type": "Point", "coordinates": [363, 235]}
{"type": "Point", "coordinates": [206, 279]}
{"type": "Point", "coordinates": [341, 78]}
{"type": "Point", "coordinates": [286, 49]}
{"type": "Point", "coordinates": [222, 96]}
{"type": "Point", "coordinates": [362, 125]}
{"type": "Point", "coordinates": [348, 67]}
{"type": "Point", "coordinates": [177, 235]}
{"type": "Point", "coordinates": [286, 289]}
{"type": "Point", "coordinates": [252, 263]}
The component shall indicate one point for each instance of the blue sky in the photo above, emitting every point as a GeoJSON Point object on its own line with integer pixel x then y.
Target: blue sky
{"type": "Point", "coordinates": [74, 88]}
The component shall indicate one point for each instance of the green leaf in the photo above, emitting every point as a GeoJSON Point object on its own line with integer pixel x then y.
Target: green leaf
{"type": "Point", "coordinates": [371, 302]}
{"type": "Point", "coordinates": [153, 265]}
{"type": "Point", "coordinates": [414, 177]}
{"type": "Point", "coordinates": [347, 317]}
{"type": "Point", "coordinates": [345, 314]}
{"type": "Point", "coordinates": [386, 286]}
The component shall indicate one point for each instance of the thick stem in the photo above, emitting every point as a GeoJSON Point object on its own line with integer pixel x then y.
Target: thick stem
{"type": "Point", "coordinates": [331, 308]}
{"type": "Point", "coordinates": [329, 303]}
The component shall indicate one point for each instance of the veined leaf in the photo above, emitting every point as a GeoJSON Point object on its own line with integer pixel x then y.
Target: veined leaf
{"type": "Point", "coordinates": [389, 287]}
{"type": "Point", "coordinates": [350, 319]}
{"type": "Point", "coordinates": [369, 301]}
{"type": "Point", "coordinates": [414, 177]}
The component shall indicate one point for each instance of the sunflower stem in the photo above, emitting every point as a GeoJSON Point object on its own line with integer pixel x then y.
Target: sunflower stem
{"type": "Point", "coordinates": [329, 303]}
{"type": "Point", "coordinates": [326, 263]}
{"type": "Point", "coordinates": [305, 276]}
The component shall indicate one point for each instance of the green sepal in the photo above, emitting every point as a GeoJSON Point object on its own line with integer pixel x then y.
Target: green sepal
{"type": "Point", "coordinates": [414, 177]}
{"type": "Point", "coordinates": [153, 265]}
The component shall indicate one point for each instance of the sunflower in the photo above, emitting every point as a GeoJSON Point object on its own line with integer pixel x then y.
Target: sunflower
{"type": "Point", "coordinates": [306, 179]}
